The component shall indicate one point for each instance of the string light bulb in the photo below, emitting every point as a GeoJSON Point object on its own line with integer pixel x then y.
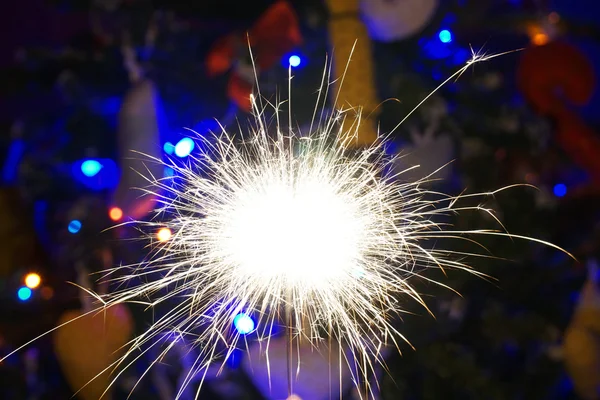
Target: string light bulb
{"type": "Point", "coordinates": [560, 190]}
{"type": "Point", "coordinates": [74, 226]}
{"type": "Point", "coordinates": [184, 147]}
{"type": "Point", "coordinates": [33, 280]}
{"type": "Point", "coordinates": [90, 168]}
{"type": "Point", "coordinates": [295, 61]}
{"type": "Point", "coordinates": [243, 323]}
{"type": "Point", "coordinates": [163, 234]}
{"type": "Point", "coordinates": [445, 36]}
{"type": "Point", "coordinates": [115, 213]}
{"type": "Point", "coordinates": [540, 39]}
{"type": "Point", "coordinates": [24, 293]}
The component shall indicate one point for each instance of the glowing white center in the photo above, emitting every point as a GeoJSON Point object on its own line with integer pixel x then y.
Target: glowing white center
{"type": "Point", "coordinates": [301, 233]}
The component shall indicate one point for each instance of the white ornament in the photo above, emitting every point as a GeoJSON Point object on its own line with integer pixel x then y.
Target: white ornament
{"type": "Point", "coordinates": [139, 147]}
{"type": "Point", "coordinates": [389, 20]}
{"type": "Point", "coordinates": [429, 149]}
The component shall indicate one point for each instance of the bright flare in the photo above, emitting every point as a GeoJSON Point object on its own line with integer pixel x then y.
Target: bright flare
{"type": "Point", "coordinates": [270, 225]}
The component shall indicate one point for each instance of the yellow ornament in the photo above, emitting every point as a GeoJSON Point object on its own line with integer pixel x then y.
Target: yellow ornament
{"type": "Point", "coordinates": [581, 345]}
{"type": "Point", "coordinates": [88, 345]}
{"type": "Point", "coordinates": [347, 32]}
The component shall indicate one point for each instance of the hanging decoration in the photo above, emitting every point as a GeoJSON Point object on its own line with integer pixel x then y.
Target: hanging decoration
{"type": "Point", "coordinates": [430, 147]}
{"type": "Point", "coordinates": [88, 345]}
{"type": "Point", "coordinates": [581, 347]}
{"type": "Point", "coordinates": [391, 20]}
{"type": "Point", "coordinates": [554, 77]}
{"type": "Point", "coordinates": [274, 34]}
{"type": "Point", "coordinates": [349, 40]}
{"type": "Point", "coordinates": [89, 342]}
{"type": "Point", "coordinates": [139, 142]}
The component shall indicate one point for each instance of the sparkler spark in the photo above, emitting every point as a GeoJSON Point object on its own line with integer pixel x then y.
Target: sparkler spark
{"type": "Point", "coordinates": [289, 226]}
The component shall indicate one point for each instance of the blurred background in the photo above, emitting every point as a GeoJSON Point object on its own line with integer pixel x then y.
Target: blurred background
{"type": "Point", "coordinates": [84, 82]}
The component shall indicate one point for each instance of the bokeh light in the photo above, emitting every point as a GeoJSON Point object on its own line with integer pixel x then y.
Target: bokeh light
{"type": "Point", "coordinates": [115, 213]}
{"type": "Point", "coordinates": [184, 147]}
{"type": "Point", "coordinates": [47, 292]}
{"type": "Point", "coordinates": [33, 280]}
{"type": "Point", "coordinates": [163, 234]}
{"type": "Point", "coordinates": [169, 148]}
{"type": "Point", "coordinates": [445, 36]}
{"type": "Point", "coordinates": [560, 189]}
{"type": "Point", "coordinates": [540, 39]}
{"type": "Point", "coordinates": [90, 168]}
{"type": "Point", "coordinates": [243, 323]}
{"type": "Point", "coordinates": [74, 226]}
{"type": "Point", "coordinates": [168, 172]}
{"type": "Point", "coordinates": [24, 293]}
{"type": "Point", "coordinates": [295, 61]}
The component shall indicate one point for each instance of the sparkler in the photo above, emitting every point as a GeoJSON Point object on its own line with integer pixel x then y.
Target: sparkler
{"type": "Point", "coordinates": [290, 227]}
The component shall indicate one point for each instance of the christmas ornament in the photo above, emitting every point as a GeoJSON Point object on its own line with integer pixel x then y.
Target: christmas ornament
{"type": "Point", "coordinates": [430, 152]}
{"type": "Point", "coordinates": [355, 82]}
{"type": "Point", "coordinates": [557, 67]}
{"type": "Point", "coordinates": [581, 346]}
{"type": "Point", "coordinates": [87, 345]}
{"type": "Point", "coordinates": [429, 148]}
{"type": "Point", "coordinates": [275, 33]}
{"type": "Point", "coordinates": [139, 149]}
{"type": "Point", "coordinates": [88, 342]}
{"type": "Point", "coordinates": [553, 77]}
{"type": "Point", "coordinates": [389, 20]}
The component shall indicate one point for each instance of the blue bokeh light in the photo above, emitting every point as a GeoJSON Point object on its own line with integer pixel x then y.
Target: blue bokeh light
{"type": "Point", "coordinates": [295, 60]}
{"type": "Point", "coordinates": [445, 36]}
{"type": "Point", "coordinates": [243, 323]}
{"type": "Point", "coordinates": [74, 226]}
{"type": "Point", "coordinates": [184, 147]}
{"type": "Point", "coordinates": [560, 189]}
{"type": "Point", "coordinates": [24, 293]}
{"type": "Point", "coordinates": [96, 174]}
{"type": "Point", "coordinates": [90, 168]}
{"type": "Point", "coordinates": [235, 359]}
{"type": "Point", "coordinates": [169, 148]}
{"type": "Point", "coordinates": [168, 172]}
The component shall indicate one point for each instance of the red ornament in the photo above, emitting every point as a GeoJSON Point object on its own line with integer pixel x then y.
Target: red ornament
{"type": "Point", "coordinates": [552, 77]}
{"type": "Point", "coordinates": [580, 141]}
{"type": "Point", "coordinates": [549, 71]}
{"type": "Point", "coordinates": [275, 33]}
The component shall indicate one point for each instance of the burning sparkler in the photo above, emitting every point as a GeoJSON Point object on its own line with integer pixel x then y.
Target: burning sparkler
{"type": "Point", "coordinates": [289, 227]}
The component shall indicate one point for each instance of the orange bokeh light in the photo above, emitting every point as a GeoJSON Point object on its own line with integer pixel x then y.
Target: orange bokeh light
{"type": "Point", "coordinates": [47, 293]}
{"type": "Point", "coordinates": [32, 280]}
{"type": "Point", "coordinates": [163, 234]}
{"type": "Point", "coordinates": [540, 39]}
{"type": "Point", "coordinates": [115, 213]}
